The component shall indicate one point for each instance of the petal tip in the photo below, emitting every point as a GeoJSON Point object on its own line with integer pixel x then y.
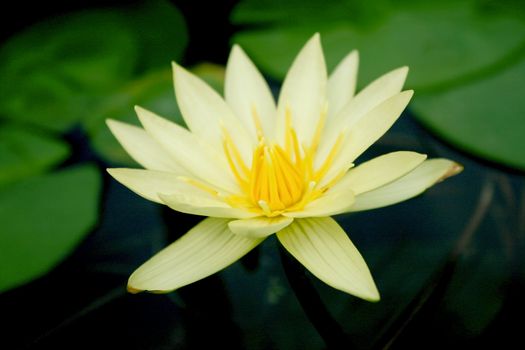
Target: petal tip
{"type": "Point", "coordinates": [408, 93]}
{"type": "Point", "coordinates": [314, 41]}
{"type": "Point", "coordinates": [374, 298]}
{"type": "Point", "coordinates": [454, 169]}
{"type": "Point", "coordinates": [236, 49]}
{"type": "Point", "coordinates": [133, 290]}
{"type": "Point", "coordinates": [112, 124]}
{"type": "Point", "coordinates": [138, 109]}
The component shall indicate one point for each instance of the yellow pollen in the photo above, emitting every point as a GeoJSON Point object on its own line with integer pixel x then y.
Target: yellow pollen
{"type": "Point", "coordinates": [280, 178]}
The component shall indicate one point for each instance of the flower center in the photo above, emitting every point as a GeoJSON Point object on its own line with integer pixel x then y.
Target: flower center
{"type": "Point", "coordinates": [275, 181]}
{"type": "Point", "coordinates": [280, 178]}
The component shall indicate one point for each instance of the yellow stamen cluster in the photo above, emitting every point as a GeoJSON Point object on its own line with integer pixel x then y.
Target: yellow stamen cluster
{"type": "Point", "coordinates": [280, 178]}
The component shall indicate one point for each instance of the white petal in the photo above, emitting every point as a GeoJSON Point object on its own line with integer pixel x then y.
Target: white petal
{"type": "Point", "coordinates": [322, 246]}
{"type": "Point", "coordinates": [207, 114]}
{"type": "Point", "coordinates": [246, 92]}
{"type": "Point", "coordinates": [190, 151]}
{"type": "Point", "coordinates": [304, 92]}
{"type": "Point", "coordinates": [206, 249]}
{"type": "Point", "coordinates": [376, 92]}
{"type": "Point", "coordinates": [149, 183]}
{"type": "Point", "coordinates": [367, 131]}
{"type": "Point", "coordinates": [143, 149]}
{"type": "Point", "coordinates": [203, 205]}
{"type": "Point", "coordinates": [341, 83]}
{"type": "Point", "coordinates": [379, 171]}
{"type": "Point", "coordinates": [330, 203]}
{"type": "Point", "coordinates": [259, 227]}
{"type": "Point", "coordinates": [381, 89]}
{"type": "Point", "coordinates": [408, 186]}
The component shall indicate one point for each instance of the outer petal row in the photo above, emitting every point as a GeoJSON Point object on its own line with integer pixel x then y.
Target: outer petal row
{"type": "Point", "coordinates": [408, 186]}
{"type": "Point", "coordinates": [303, 93]}
{"type": "Point", "coordinates": [144, 149]}
{"type": "Point", "coordinates": [174, 191]}
{"type": "Point", "coordinates": [207, 114]}
{"type": "Point", "coordinates": [248, 94]}
{"type": "Point", "coordinates": [206, 249]}
{"type": "Point", "coordinates": [190, 151]}
{"type": "Point", "coordinates": [322, 246]}
{"type": "Point", "coordinates": [359, 107]}
{"type": "Point", "coordinates": [342, 83]}
{"type": "Point", "coordinates": [365, 132]}
{"type": "Point", "coordinates": [379, 171]}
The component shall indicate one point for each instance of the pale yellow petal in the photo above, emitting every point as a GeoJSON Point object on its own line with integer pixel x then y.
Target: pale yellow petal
{"type": "Point", "coordinates": [259, 227]}
{"type": "Point", "coordinates": [381, 89]}
{"type": "Point", "coordinates": [322, 246]}
{"type": "Point", "coordinates": [203, 205]}
{"type": "Point", "coordinates": [408, 186]}
{"type": "Point", "coordinates": [379, 171]}
{"type": "Point", "coordinates": [303, 93]}
{"type": "Point", "coordinates": [206, 249]}
{"type": "Point", "coordinates": [249, 95]}
{"type": "Point", "coordinates": [143, 149]}
{"type": "Point", "coordinates": [341, 83]}
{"type": "Point", "coordinates": [207, 114]}
{"type": "Point", "coordinates": [367, 131]}
{"type": "Point", "coordinates": [201, 160]}
{"type": "Point", "coordinates": [149, 183]}
{"type": "Point", "coordinates": [330, 203]}
{"type": "Point", "coordinates": [376, 92]}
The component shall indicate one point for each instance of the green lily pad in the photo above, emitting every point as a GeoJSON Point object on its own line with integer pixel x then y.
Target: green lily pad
{"type": "Point", "coordinates": [43, 219]}
{"type": "Point", "coordinates": [485, 117]}
{"type": "Point", "coordinates": [25, 152]}
{"type": "Point", "coordinates": [161, 33]}
{"type": "Point", "coordinates": [441, 42]}
{"type": "Point", "coordinates": [50, 73]}
{"type": "Point", "coordinates": [154, 91]}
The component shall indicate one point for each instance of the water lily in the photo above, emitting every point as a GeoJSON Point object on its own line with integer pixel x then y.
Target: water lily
{"type": "Point", "coordinates": [257, 168]}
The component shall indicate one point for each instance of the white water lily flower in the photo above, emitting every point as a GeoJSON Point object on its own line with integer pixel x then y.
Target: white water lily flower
{"type": "Point", "coordinates": [257, 168]}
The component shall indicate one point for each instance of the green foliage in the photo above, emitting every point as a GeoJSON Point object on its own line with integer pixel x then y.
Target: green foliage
{"type": "Point", "coordinates": [25, 152]}
{"type": "Point", "coordinates": [161, 32]}
{"type": "Point", "coordinates": [43, 219]}
{"type": "Point", "coordinates": [71, 71]}
{"type": "Point", "coordinates": [53, 74]}
{"type": "Point", "coordinates": [485, 117]}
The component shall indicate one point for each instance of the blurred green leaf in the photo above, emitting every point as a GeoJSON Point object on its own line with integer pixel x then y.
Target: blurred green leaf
{"type": "Point", "coordinates": [441, 42]}
{"type": "Point", "coordinates": [50, 73]}
{"type": "Point", "coordinates": [161, 32]}
{"type": "Point", "coordinates": [25, 152]}
{"type": "Point", "coordinates": [312, 13]}
{"type": "Point", "coordinates": [153, 91]}
{"type": "Point", "coordinates": [53, 74]}
{"type": "Point", "coordinates": [43, 219]}
{"type": "Point", "coordinates": [485, 117]}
